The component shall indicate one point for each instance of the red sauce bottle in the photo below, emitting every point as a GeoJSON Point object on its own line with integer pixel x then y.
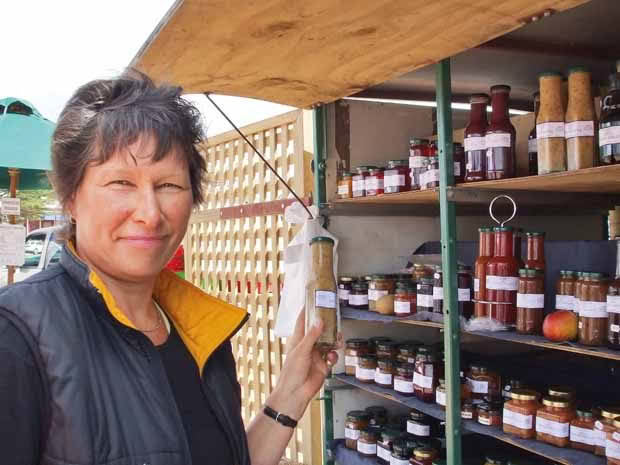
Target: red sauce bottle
{"type": "Point", "coordinates": [474, 142]}
{"type": "Point", "coordinates": [503, 278]}
{"type": "Point", "coordinates": [487, 246]}
{"type": "Point", "coordinates": [500, 137]}
{"type": "Point", "coordinates": [535, 250]}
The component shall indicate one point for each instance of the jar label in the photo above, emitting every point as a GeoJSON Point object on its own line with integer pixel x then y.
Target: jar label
{"type": "Point", "coordinates": [612, 449]}
{"type": "Point", "coordinates": [343, 294]}
{"type": "Point", "coordinates": [403, 386]}
{"type": "Point", "coordinates": [600, 437]}
{"type": "Point", "coordinates": [373, 183]}
{"type": "Point", "coordinates": [610, 135]}
{"type": "Point", "coordinates": [395, 461]}
{"type": "Point", "coordinates": [425, 300]}
{"type": "Point", "coordinates": [548, 130]}
{"type": "Point", "coordinates": [518, 420]}
{"type": "Point", "coordinates": [437, 293]}
{"type": "Point", "coordinates": [358, 299]}
{"type": "Point", "coordinates": [418, 162]}
{"type": "Point", "coordinates": [402, 307]}
{"type": "Point", "coordinates": [464, 295]}
{"type": "Point", "coordinates": [616, 436]}
{"type": "Point", "coordinates": [467, 415]}
{"type": "Point", "coordinates": [375, 294]}
{"type": "Point", "coordinates": [352, 433]}
{"type": "Point", "coordinates": [531, 300]}
{"type": "Point", "coordinates": [425, 382]}
{"type": "Point", "coordinates": [350, 361]}
{"type": "Point", "coordinates": [554, 428]}
{"type": "Point", "coordinates": [423, 180]}
{"type": "Point", "coordinates": [364, 374]}
{"type": "Point", "coordinates": [613, 303]}
{"type": "Point", "coordinates": [394, 180]}
{"type": "Point", "coordinates": [502, 283]}
{"type": "Point", "coordinates": [589, 309]}
{"type": "Point", "coordinates": [484, 421]}
{"type": "Point", "coordinates": [497, 140]}
{"type": "Point", "coordinates": [343, 189]}
{"type": "Point", "coordinates": [431, 176]}
{"type": "Point", "coordinates": [598, 425]}
{"type": "Point", "coordinates": [565, 302]}
{"type": "Point", "coordinates": [382, 378]}
{"type": "Point", "coordinates": [614, 328]}
{"type": "Point", "coordinates": [478, 387]}
{"type": "Point", "coordinates": [325, 299]}
{"type": "Point", "coordinates": [457, 168]}
{"type": "Point", "coordinates": [418, 429]}
{"type": "Point", "coordinates": [384, 453]}
{"type": "Point", "coordinates": [358, 186]}
{"type": "Point", "coordinates": [440, 397]}
{"type": "Point", "coordinates": [579, 129]}
{"type": "Point", "coordinates": [474, 143]}
{"type": "Point", "coordinates": [532, 146]}
{"type": "Point", "coordinates": [368, 449]}
{"type": "Point", "coordinates": [476, 285]}
{"type": "Point", "coordinates": [582, 435]}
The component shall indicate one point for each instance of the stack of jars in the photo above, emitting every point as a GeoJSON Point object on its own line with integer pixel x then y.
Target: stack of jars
{"type": "Point", "coordinates": [369, 181]}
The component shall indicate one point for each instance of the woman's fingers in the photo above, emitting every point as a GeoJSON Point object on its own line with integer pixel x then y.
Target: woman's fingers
{"type": "Point", "coordinates": [298, 333]}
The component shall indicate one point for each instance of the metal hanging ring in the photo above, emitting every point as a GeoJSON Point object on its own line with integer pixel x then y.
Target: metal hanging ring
{"type": "Point", "coordinates": [514, 209]}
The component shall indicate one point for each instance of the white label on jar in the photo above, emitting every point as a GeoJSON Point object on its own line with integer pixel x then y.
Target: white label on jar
{"type": "Point", "coordinates": [589, 309]}
{"type": "Point", "coordinates": [531, 300]}
{"type": "Point", "coordinates": [437, 293]}
{"type": "Point", "coordinates": [423, 180]}
{"type": "Point", "coordinates": [358, 186]}
{"type": "Point", "coordinates": [365, 374]}
{"type": "Point", "coordinates": [464, 295]}
{"type": "Point", "coordinates": [402, 307]}
{"type": "Point", "coordinates": [600, 437]}
{"type": "Point", "coordinates": [610, 135]}
{"type": "Point", "coordinates": [425, 300]}
{"type": "Point", "coordinates": [352, 433]}
{"type": "Point", "coordinates": [497, 140]}
{"type": "Point", "coordinates": [613, 303]}
{"type": "Point", "coordinates": [474, 143]}
{"type": "Point", "coordinates": [612, 449]}
{"type": "Point", "coordinates": [395, 180]}
{"type": "Point", "coordinates": [418, 429]}
{"type": "Point", "coordinates": [457, 168]}
{"type": "Point", "coordinates": [532, 146]}
{"type": "Point", "coordinates": [325, 299]}
{"type": "Point", "coordinates": [548, 130]}
{"type": "Point", "coordinates": [350, 361]}
{"type": "Point", "coordinates": [565, 302]}
{"type": "Point", "coordinates": [383, 378]}
{"type": "Point", "coordinates": [403, 386]}
{"type": "Point", "coordinates": [432, 176]}
{"type": "Point", "coordinates": [368, 449]}
{"type": "Point", "coordinates": [394, 461]}
{"type": "Point", "coordinates": [478, 387]}
{"type": "Point", "coordinates": [358, 299]}
{"type": "Point", "coordinates": [467, 415]}
{"type": "Point", "coordinates": [559, 430]}
{"type": "Point", "coordinates": [502, 283]}
{"type": "Point", "coordinates": [580, 325]}
{"type": "Point", "coordinates": [418, 162]}
{"type": "Point", "coordinates": [616, 436]}
{"type": "Point", "coordinates": [374, 294]}
{"type": "Point", "coordinates": [411, 360]}
{"type": "Point", "coordinates": [615, 328]}
{"type": "Point", "coordinates": [484, 421]}
{"type": "Point", "coordinates": [582, 435]}
{"type": "Point", "coordinates": [343, 189]}
{"type": "Point", "coordinates": [384, 454]}
{"type": "Point", "coordinates": [373, 183]}
{"type": "Point", "coordinates": [518, 420]}
{"type": "Point", "coordinates": [579, 129]}
{"type": "Point", "coordinates": [422, 381]}
{"type": "Point", "coordinates": [343, 294]}
{"type": "Point", "coordinates": [440, 397]}
{"type": "Point", "coordinates": [476, 285]}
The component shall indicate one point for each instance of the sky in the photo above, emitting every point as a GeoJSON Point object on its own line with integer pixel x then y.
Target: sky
{"type": "Point", "coordinates": [56, 46]}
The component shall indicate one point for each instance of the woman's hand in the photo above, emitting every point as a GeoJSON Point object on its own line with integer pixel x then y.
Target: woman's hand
{"type": "Point", "coordinates": [303, 372]}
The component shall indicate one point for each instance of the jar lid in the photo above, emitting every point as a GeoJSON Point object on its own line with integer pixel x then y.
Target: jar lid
{"type": "Point", "coordinates": [357, 342]}
{"type": "Point", "coordinates": [500, 88]}
{"type": "Point", "coordinates": [360, 286]}
{"type": "Point", "coordinates": [408, 349]}
{"type": "Point", "coordinates": [386, 344]}
{"type": "Point", "coordinates": [373, 341]}
{"type": "Point", "coordinates": [379, 276]}
{"type": "Point", "coordinates": [564, 392]}
{"type": "Point", "coordinates": [347, 174]}
{"type": "Point", "coordinates": [578, 69]}
{"type": "Point", "coordinates": [424, 452]}
{"type": "Point", "coordinates": [346, 279]}
{"type": "Point", "coordinates": [534, 233]}
{"type": "Point", "coordinates": [363, 168]}
{"type": "Point", "coordinates": [358, 415]}
{"type": "Point", "coordinates": [394, 163]}
{"type": "Point", "coordinates": [417, 415]}
{"type": "Point", "coordinates": [568, 273]}
{"type": "Point", "coordinates": [423, 350]}
{"type": "Point", "coordinates": [329, 240]}
{"type": "Point", "coordinates": [523, 272]}
{"type": "Point", "coordinates": [556, 402]}
{"type": "Point", "coordinates": [503, 228]}
{"type": "Point", "coordinates": [585, 413]}
{"type": "Point", "coordinates": [418, 141]}
{"type": "Point", "coordinates": [597, 275]}
{"type": "Point", "coordinates": [442, 381]}
{"type": "Point", "coordinates": [460, 267]}
{"type": "Point", "coordinates": [485, 229]}
{"type": "Point", "coordinates": [610, 412]}
{"type": "Point", "coordinates": [550, 74]}
{"type": "Point", "coordinates": [479, 98]}
{"type": "Point", "coordinates": [524, 394]}
{"type": "Point", "coordinates": [368, 278]}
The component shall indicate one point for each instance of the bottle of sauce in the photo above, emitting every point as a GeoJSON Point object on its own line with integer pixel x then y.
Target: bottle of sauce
{"type": "Point", "coordinates": [500, 137]}
{"type": "Point", "coordinates": [535, 250]}
{"type": "Point", "coordinates": [580, 116]}
{"type": "Point", "coordinates": [474, 142]}
{"type": "Point", "coordinates": [609, 125]}
{"type": "Point", "coordinates": [486, 247]}
{"type": "Point", "coordinates": [613, 305]}
{"type": "Point", "coordinates": [550, 125]}
{"type": "Point", "coordinates": [502, 279]}
{"type": "Point", "coordinates": [532, 146]}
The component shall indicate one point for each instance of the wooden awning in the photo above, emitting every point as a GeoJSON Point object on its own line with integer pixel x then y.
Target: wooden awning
{"type": "Point", "coordinates": [301, 53]}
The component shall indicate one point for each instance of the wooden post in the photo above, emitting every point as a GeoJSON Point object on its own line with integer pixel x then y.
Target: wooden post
{"type": "Point", "coordinates": [14, 177]}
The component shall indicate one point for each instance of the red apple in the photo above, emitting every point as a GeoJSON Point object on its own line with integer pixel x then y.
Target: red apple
{"type": "Point", "coordinates": [560, 326]}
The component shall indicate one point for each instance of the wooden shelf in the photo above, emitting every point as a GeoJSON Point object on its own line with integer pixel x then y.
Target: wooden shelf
{"type": "Point", "coordinates": [366, 315]}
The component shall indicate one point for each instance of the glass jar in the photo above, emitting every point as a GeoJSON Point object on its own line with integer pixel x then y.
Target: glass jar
{"type": "Point", "coordinates": [490, 414]}
{"type": "Point", "coordinates": [553, 421]}
{"type": "Point", "coordinates": [582, 431]}
{"type": "Point", "coordinates": [378, 415]}
{"type": "Point", "coordinates": [550, 125]}
{"type": "Point", "coordinates": [358, 181]}
{"type": "Point", "coordinates": [613, 305]}
{"type": "Point", "coordinates": [603, 426]}
{"type": "Point", "coordinates": [426, 374]}
{"type": "Point", "coordinates": [500, 138]}
{"type": "Point", "coordinates": [418, 424]}
{"type": "Point", "coordinates": [530, 302]}
{"type": "Point", "coordinates": [593, 310]}
{"type": "Point", "coordinates": [532, 147]}
{"type": "Point", "coordinates": [366, 369]}
{"type": "Point", "coordinates": [381, 285]}
{"type": "Point", "coordinates": [464, 282]}
{"type": "Point", "coordinates": [580, 115]}
{"type": "Point", "coordinates": [322, 294]}
{"type": "Point", "coordinates": [373, 341]}
{"type": "Point", "coordinates": [474, 142]}
{"type": "Point", "coordinates": [438, 291]}
{"type": "Point", "coordinates": [403, 379]}
{"type": "Point", "coordinates": [424, 301]}
{"type": "Point", "coordinates": [384, 445]}
{"type": "Point", "coordinates": [420, 271]}
{"type": "Point", "coordinates": [405, 301]}
{"type": "Point", "coordinates": [483, 382]}
{"type": "Point", "coordinates": [367, 443]}
{"type": "Point", "coordinates": [535, 250]}
{"type": "Point", "coordinates": [565, 291]}
{"type": "Point", "coordinates": [356, 421]}
{"type": "Point", "coordinates": [511, 385]}
{"type": "Point", "coordinates": [430, 179]}
{"type": "Point", "coordinates": [418, 160]}
{"type": "Point", "coordinates": [502, 280]}
{"type": "Point", "coordinates": [440, 394]}
{"type": "Point", "coordinates": [397, 177]}
{"type": "Point", "coordinates": [345, 285]}
{"type": "Point", "coordinates": [373, 183]}
{"type": "Point", "coordinates": [407, 352]}
{"type": "Point", "coordinates": [345, 186]}
{"type": "Point", "coordinates": [469, 411]}
{"type": "Point", "coordinates": [423, 456]}
{"type": "Point", "coordinates": [458, 154]}
{"type": "Point", "coordinates": [358, 296]}
{"type": "Point", "coordinates": [401, 453]}
{"type": "Point", "coordinates": [486, 246]}
{"type": "Point", "coordinates": [609, 124]}
{"type": "Point", "coordinates": [612, 446]}
{"type": "Point", "coordinates": [386, 349]}
{"type": "Point", "coordinates": [384, 375]}
{"type": "Point", "coordinates": [519, 413]}
{"type": "Point", "coordinates": [354, 348]}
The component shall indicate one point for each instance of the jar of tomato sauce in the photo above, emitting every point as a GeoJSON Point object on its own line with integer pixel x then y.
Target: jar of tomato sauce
{"type": "Point", "coordinates": [535, 250]}
{"type": "Point", "coordinates": [502, 280]}
{"type": "Point", "coordinates": [487, 248]}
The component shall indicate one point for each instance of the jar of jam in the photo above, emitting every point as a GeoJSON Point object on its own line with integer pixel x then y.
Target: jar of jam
{"type": "Point", "coordinates": [490, 414]}
{"type": "Point", "coordinates": [425, 295]}
{"type": "Point", "coordinates": [386, 349]}
{"type": "Point", "coordinates": [426, 374]}
{"type": "Point", "coordinates": [418, 160]}
{"type": "Point", "coordinates": [553, 421]}
{"type": "Point", "coordinates": [604, 426]}
{"type": "Point", "coordinates": [612, 447]}
{"type": "Point", "coordinates": [500, 138]}
{"type": "Point", "coordinates": [345, 285]}
{"type": "Point", "coordinates": [384, 445]}
{"type": "Point", "coordinates": [487, 249]}
{"type": "Point", "coordinates": [532, 146]}
{"type": "Point", "coordinates": [358, 296]}
{"type": "Point", "coordinates": [401, 453]}
{"type": "Point", "coordinates": [354, 348]}
{"type": "Point", "coordinates": [535, 250]}
{"type": "Point", "coordinates": [458, 154]}
{"type": "Point", "coordinates": [438, 291]}
{"type": "Point", "coordinates": [565, 291]}
{"type": "Point", "coordinates": [474, 142]}
{"type": "Point", "coordinates": [357, 420]}
{"type": "Point", "coordinates": [609, 131]}
{"type": "Point", "coordinates": [593, 310]}
{"type": "Point", "coordinates": [440, 394]}
{"type": "Point", "coordinates": [367, 443]}
{"type": "Point", "coordinates": [403, 379]}
{"type": "Point", "coordinates": [483, 382]}
{"type": "Point", "coordinates": [405, 301]}
{"type": "Point", "coordinates": [418, 424]}
{"type": "Point", "coordinates": [469, 411]}
{"type": "Point", "coordinates": [345, 186]}
{"type": "Point", "coordinates": [397, 177]}
{"type": "Point", "coordinates": [613, 305]}
{"type": "Point", "coordinates": [464, 279]}
{"type": "Point", "coordinates": [384, 375]}
{"type": "Point", "coordinates": [407, 352]}
{"type": "Point", "coordinates": [373, 183]}
{"type": "Point", "coordinates": [358, 181]}
{"type": "Point", "coordinates": [530, 302]}
{"type": "Point", "coordinates": [373, 341]}
{"type": "Point", "coordinates": [423, 456]}
{"type": "Point", "coordinates": [380, 286]}
{"type": "Point", "coordinates": [582, 431]}
{"type": "Point", "coordinates": [502, 280]}
{"type": "Point", "coordinates": [519, 413]}
{"type": "Point", "coordinates": [366, 368]}
{"type": "Point", "coordinates": [430, 179]}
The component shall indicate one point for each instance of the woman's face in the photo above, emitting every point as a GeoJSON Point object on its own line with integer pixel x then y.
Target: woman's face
{"type": "Point", "coordinates": [131, 213]}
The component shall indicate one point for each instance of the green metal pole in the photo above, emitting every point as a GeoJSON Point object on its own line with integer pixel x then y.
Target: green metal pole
{"type": "Point", "coordinates": [320, 154]}
{"type": "Point", "coordinates": [448, 259]}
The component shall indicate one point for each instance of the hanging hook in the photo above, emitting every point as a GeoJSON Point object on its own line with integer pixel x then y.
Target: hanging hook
{"type": "Point", "coordinates": [514, 209]}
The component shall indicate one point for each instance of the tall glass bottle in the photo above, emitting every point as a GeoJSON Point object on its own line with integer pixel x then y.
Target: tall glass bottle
{"type": "Point", "coordinates": [532, 146]}
{"type": "Point", "coordinates": [500, 137]}
{"type": "Point", "coordinates": [580, 116]}
{"type": "Point", "coordinates": [550, 125]}
{"type": "Point", "coordinates": [474, 142]}
{"type": "Point", "coordinates": [487, 246]}
{"type": "Point", "coordinates": [503, 278]}
{"type": "Point", "coordinates": [609, 126]}
{"type": "Point", "coordinates": [322, 293]}
{"type": "Point", "coordinates": [613, 305]}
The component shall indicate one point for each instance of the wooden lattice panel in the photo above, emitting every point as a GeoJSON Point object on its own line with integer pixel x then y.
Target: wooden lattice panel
{"type": "Point", "coordinates": [236, 253]}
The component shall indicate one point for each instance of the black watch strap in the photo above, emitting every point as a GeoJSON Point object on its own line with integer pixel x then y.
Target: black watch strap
{"type": "Point", "coordinates": [279, 417]}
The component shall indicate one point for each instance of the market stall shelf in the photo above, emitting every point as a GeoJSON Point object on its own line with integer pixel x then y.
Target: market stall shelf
{"type": "Point", "coordinates": [365, 315]}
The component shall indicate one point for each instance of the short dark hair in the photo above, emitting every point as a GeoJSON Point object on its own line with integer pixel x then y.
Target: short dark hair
{"type": "Point", "coordinates": [107, 115]}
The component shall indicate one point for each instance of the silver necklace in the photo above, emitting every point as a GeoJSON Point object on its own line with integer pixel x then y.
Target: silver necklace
{"type": "Point", "coordinates": [156, 327]}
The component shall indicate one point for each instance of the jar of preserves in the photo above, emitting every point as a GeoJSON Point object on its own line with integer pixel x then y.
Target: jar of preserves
{"type": "Point", "coordinates": [532, 147]}
{"type": "Point", "coordinates": [356, 421]}
{"type": "Point", "coordinates": [438, 291]}
{"type": "Point", "coordinates": [430, 179]}
{"type": "Point", "coordinates": [582, 431]}
{"type": "Point", "coordinates": [401, 453]}
{"type": "Point", "coordinates": [530, 302]}
{"type": "Point", "coordinates": [345, 285]}
{"type": "Point", "coordinates": [502, 280]}
{"type": "Point", "coordinates": [345, 186]}
{"type": "Point", "coordinates": [458, 154]}
{"type": "Point", "coordinates": [426, 374]}
{"type": "Point", "coordinates": [580, 116]}
{"type": "Point", "coordinates": [565, 291]}
{"type": "Point", "coordinates": [407, 352]}
{"type": "Point", "coordinates": [604, 426]}
{"type": "Point", "coordinates": [440, 394]}
{"type": "Point", "coordinates": [464, 281]}
{"type": "Point", "coordinates": [613, 305]}
{"type": "Point", "coordinates": [593, 310]}
{"type": "Point", "coordinates": [405, 301]}
{"type": "Point", "coordinates": [500, 138]}
{"type": "Point", "coordinates": [418, 424]}
{"type": "Point", "coordinates": [373, 341]}
{"type": "Point", "coordinates": [386, 349]}
{"type": "Point", "coordinates": [354, 348]}
{"type": "Point", "coordinates": [397, 177]}
{"type": "Point", "coordinates": [366, 368]}
{"type": "Point", "coordinates": [384, 375]}
{"type": "Point", "coordinates": [553, 421]}
{"type": "Point", "coordinates": [535, 250]}
{"type": "Point", "coordinates": [358, 181]}
{"type": "Point", "coordinates": [550, 125]}
{"type": "Point", "coordinates": [483, 382]}
{"type": "Point", "coordinates": [423, 456]}
{"type": "Point", "coordinates": [487, 249]}
{"type": "Point", "coordinates": [612, 448]}
{"type": "Point", "coordinates": [403, 379]}
{"type": "Point", "coordinates": [380, 286]}
{"type": "Point", "coordinates": [367, 442]}
{"type": "Point", "coordinates": [424, 301]}
{"type": "Point", "coordinates": [418, 160]}
{"type": "Point", "coordinates": [520, 412]}
{"type": "Point", "coordinates": [474, 142]}
{"type": "Point", "coordinates": [358, 296]}
{"type": "Point", "coordinates": [490, 414]}
{"type": "Point", "coordinates": [373, 183]}
{"type": "Point", "coordinates": [469, 411]}
{"type": "Point", "coordinates": [384, 445]}
{"type": "Point", "coordinates": [609, 125]}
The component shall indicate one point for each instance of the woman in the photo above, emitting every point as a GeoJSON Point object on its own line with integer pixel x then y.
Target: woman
{"type": "Point", "coordinates": [108, 358]}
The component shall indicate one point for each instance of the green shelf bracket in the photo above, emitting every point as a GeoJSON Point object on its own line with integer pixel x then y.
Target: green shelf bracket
{"type": "Point", "coordinates": [319, 129]}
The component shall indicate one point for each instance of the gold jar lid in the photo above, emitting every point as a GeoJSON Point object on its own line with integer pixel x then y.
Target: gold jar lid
{"type": "Point", "coordinates": [523, 394]}
{"type": "Point", "coordinates": [424, 453]}
{"type": "Point", "coordinates": [610, 412]}
{"type": "Point", "coordinates": [556, 402]}
{"type": "Point", "coordinates": [564, 392]}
